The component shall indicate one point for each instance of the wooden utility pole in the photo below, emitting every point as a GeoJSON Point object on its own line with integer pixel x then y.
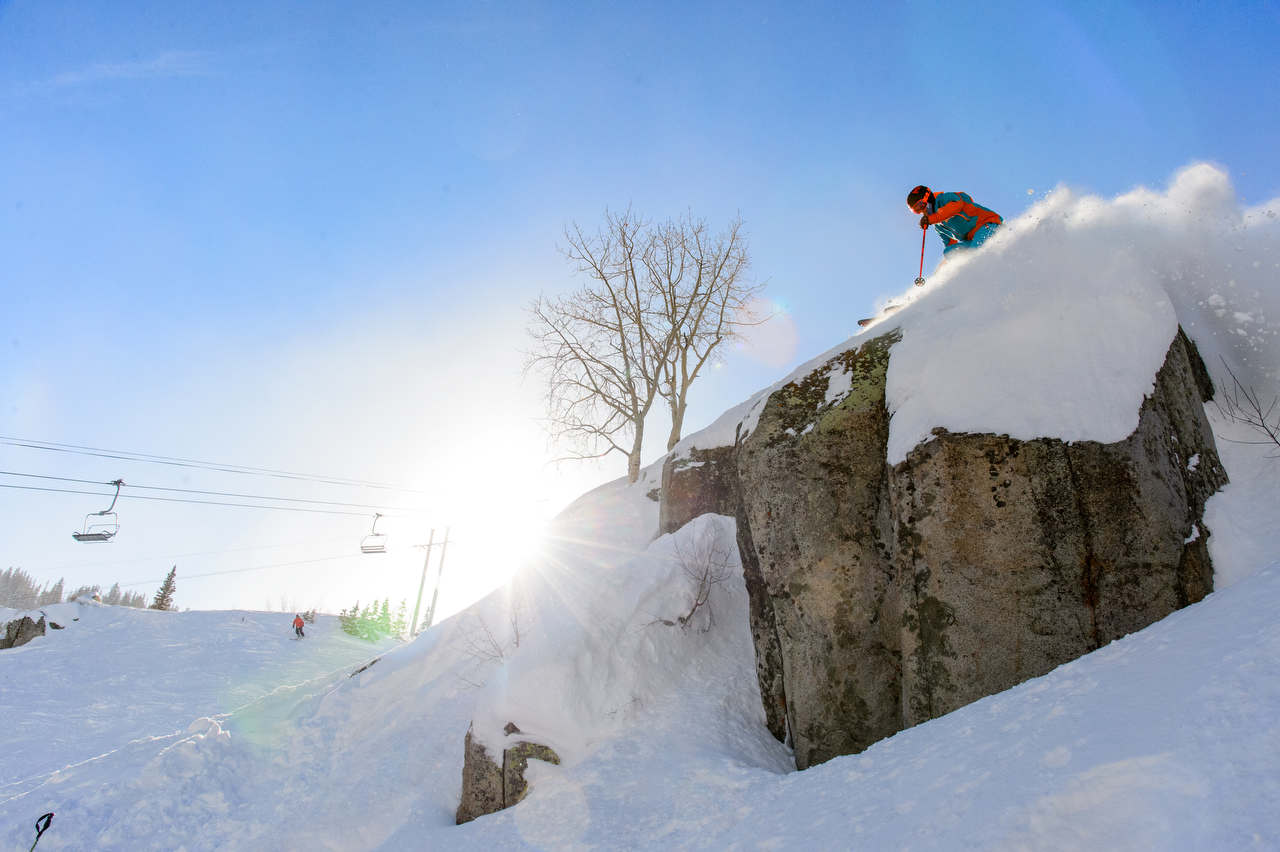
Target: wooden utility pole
{"type": "Point", "coordinates": [413, 625]}
{"type": "Point", "coordinates": [431, 610]}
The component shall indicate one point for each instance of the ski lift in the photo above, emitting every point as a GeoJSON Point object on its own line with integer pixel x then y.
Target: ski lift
{"type": "Point", "coordinates": [104, 529]}
{"type": "Point", "coordinates": [374, 542]}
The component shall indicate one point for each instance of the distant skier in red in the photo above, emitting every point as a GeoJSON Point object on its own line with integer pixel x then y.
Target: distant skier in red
{"type": "Point", "coordinates": [297, 626]}
{"type": "Point", "coordinates": [957, 220]}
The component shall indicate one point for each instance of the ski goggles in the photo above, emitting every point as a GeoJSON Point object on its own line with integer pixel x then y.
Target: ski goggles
{"type": "Point", "coordinates": [918, 198]}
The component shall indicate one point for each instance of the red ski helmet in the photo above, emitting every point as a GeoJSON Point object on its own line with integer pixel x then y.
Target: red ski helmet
{"type": "Point", "coordinates": [920, 194]}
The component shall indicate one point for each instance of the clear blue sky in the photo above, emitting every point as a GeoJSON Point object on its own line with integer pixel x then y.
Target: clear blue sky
{"type": "Point", "coordinates": [300, 235]}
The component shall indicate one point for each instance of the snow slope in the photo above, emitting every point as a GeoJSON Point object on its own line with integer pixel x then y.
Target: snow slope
{"type": "Point", "coordinates": [116, 674]}
{"type": "Point", "coordinates": [1169, 738]}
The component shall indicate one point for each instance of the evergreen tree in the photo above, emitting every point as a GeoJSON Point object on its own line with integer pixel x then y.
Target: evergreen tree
{"type": "Point", "coordinates": [384, 618]}
{"type": "Point", "coordinates": [368, 617]}
{"type": "Point", "coordinates": [375, 621]}
{"type": "Point", "coordinates": [164, 596]}
{"type": "Point", "coordinates": [347, 620]}
{"type": "Point", "coordinates": [85, 592]}
{"type": "Point", "coordinates": [401, 624]}
{"type": "Point", "coordinates": [18, 589]}
{"type": "Point", "coordinates": [51, 595]}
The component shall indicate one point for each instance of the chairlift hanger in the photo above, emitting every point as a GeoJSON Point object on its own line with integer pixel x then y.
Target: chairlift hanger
{"type": "Point", "coordinates": [101, 530]}
{"type": "Point", "coordinates": [374, 542]}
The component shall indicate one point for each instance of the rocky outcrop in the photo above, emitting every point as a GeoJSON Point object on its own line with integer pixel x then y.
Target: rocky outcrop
{"type": "Point", "coordinates": [703, 482]}
{"type": "Point", "coordinates": [481, 782]}
{"type": "Point", "coordinates": [487, 786]}
{"type": "Point", "coordinates": [885, 596]}
{"type": "Point", "coordinates": [20, 631]}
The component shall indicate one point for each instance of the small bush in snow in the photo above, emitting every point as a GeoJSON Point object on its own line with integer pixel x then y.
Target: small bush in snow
{"type": "Point", "coordinates": [708, 562]}
{"type": "Point", "coordinates": [1245, 405]}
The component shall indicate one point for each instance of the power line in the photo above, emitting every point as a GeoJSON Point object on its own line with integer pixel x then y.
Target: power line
{"type": "Point", "coordinates": [244, 570]}
{"type": "Point", "coordinates": [196, 502]}
{"type": "Point", "coordinates": [297, 545]}
{"type": "Point", "coordinates": [78, 449]}
{"type": "Point", "coordinates": [212, 493]}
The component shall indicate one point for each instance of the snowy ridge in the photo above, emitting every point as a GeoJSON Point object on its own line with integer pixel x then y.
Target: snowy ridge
{"type": "Point", "coordinates": [1058, 326]}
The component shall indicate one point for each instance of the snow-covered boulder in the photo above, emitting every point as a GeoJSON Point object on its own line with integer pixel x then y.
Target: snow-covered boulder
{"type": "Point", "coordinates": [1012, 475]}
{"type": "Point", "coordinates": [488, 787]}
{"type": "Point", "coordinates": [883, 595]}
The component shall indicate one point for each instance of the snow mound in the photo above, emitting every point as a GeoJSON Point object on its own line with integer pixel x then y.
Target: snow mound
{"type": "Point", "coordinates": [1057, 326]}
{"type": "Point", "coordinates": [602, 649]}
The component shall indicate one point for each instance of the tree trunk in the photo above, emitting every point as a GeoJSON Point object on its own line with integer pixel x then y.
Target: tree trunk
{"type": "Point", "coordinates": [633, 458]}
{"type": "Point", "coordinates": [677, 424]}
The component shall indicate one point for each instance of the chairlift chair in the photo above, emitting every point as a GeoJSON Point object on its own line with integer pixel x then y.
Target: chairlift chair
{"type": "Point", "coordinates": [102, 529]}
{"type": "Point", "coordinates": [374, 542]}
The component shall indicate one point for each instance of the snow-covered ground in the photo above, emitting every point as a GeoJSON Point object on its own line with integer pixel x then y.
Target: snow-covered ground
{"type": "Point", "coordinates": [116, 674]}
{"type": "Point", "coordinates": [1167, 739]}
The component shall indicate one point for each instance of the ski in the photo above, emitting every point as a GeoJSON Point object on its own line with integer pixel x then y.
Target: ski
{"type": "Point", "coordinates": [866, 321]}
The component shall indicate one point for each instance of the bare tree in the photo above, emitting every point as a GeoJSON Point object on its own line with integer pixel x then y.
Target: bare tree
{"type": "Point", "coordinates": [594, 345]}
{"type": "Point", "coordinates": [485, 646]}
{"type": "Point", "coordinates": [706, 563]}
{"type": "Point", "coordinates": [704, 298]}
{"type": "Point", "coordinates": [657, 304]}
{"type": "Point", "coordinates": [1245, 405]}
{"type": "Point", "coordinates": [480, 643]}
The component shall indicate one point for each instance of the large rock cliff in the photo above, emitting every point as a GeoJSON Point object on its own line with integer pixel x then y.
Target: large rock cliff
{"type": "Point", "coordinates": [885, 595]}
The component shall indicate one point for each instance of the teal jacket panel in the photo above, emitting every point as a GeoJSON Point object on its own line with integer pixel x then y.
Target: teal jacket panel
{"type": "Point", "coordinates": [956, 218]}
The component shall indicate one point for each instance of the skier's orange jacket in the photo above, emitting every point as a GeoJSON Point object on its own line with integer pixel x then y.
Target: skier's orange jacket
{"type": "Point", "coordinates": [957, 219]}
{"type": "Point", "coordinates": [297, 621]}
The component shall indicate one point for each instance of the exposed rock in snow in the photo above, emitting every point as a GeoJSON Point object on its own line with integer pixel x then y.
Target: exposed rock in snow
{"type": "Point", "coordinates": [488, 787]}
{"type": "Point", "coordinates": [20, 631]}
{"type": "Point", "coordinates": [883, 596]}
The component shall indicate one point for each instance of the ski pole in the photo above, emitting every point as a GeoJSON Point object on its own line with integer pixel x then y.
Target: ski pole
{"type": "Point", "coordinates": [924, 232]}
{"type": "Point", "coordinates": [42, 825]}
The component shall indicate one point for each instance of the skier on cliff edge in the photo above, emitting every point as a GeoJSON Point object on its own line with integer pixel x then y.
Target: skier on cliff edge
{"type": "Point", "coordinates": [956, 219]}
{"type": "Point", "coordinates": [959, 222]}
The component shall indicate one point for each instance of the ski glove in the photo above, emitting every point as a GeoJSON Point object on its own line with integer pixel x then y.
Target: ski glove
{"type": "Point", "coordinates": [924, 221]}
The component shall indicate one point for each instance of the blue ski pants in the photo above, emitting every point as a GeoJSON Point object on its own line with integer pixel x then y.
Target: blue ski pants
{"type": "Point", "coordinates": [983, 234]}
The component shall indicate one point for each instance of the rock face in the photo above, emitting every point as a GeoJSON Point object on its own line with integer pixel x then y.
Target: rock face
{"type": "Point", "coordinates": [885, 596]}
{"type": "Point", "coordinates": [488, 787]}
{"type": "Point", "coordinates": [20, 631]}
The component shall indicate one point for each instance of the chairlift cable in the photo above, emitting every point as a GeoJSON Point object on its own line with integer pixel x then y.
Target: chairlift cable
{"type": "Point", "coordinates": [212, 493]}
{"type": "Point", "coordinates": [244, 570]}
{"type": "Point", "coordinates": [196, 502]}
{"type": "Point", "coordinates": [80, 566]}
{"type": "Point", "coordinates": [175, 461]}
